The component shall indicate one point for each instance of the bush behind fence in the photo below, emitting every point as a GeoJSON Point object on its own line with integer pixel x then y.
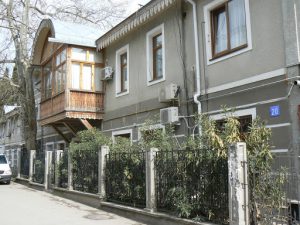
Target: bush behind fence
{"type": "Point", "coordinates": [39, 167]}
{"type": "Point", "coordinates": [62, 170]}
{"type": "Point", "coordinates": [85, 171]}
{"type": "Point", "coordinates": [193, 184]}
{"type": "Point", "coordinates": [125, 178]}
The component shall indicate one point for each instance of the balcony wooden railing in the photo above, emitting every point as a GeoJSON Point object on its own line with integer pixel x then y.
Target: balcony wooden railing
{"type": "Point", "coordinates": [77, 104]}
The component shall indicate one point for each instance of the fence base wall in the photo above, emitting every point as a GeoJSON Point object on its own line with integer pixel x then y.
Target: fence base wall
{"type": "Point", "coordinates": [84, 198]}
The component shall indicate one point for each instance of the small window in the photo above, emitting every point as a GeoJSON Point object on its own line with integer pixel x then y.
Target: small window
{"type": "Point", "coordinates": [122, 71]}
{"type": "Point", "coordinates": [126, 134]}
{"type": "Point", "coordinates": [155, 55]}
{"type": "Point", "coordinates": [227, 28]}
{"type": "Point", "coordinates": [245, 124]}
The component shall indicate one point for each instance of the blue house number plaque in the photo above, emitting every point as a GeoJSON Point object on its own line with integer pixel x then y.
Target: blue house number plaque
{"type": "Point", "coordinates": [275, 111]}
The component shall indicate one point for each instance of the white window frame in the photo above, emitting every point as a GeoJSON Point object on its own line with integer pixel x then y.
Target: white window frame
{"type": "Point", "coordinates": [149, 46]}
{"type": "Point", "coordinates": [118, 71]}
{"type": "Point", "coordinates": [151, 127]}
{"type": "Point", "coordinates": [207, 17]}
{"type": "Point", "coordinates": [238, 113]}
{"type": "Point", "coordinates": [120, 132]}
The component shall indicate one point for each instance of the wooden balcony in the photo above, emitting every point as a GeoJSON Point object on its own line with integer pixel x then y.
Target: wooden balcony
{"type": "Point", "coordinates": [72, 104]}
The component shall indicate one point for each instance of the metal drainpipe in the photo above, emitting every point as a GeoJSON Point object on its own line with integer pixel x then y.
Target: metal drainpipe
{"type": "Point", "coordinates": [197, 54]}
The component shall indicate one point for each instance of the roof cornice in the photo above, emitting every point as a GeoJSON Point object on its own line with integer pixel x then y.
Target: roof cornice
{"type": "Point", "coordinates": [138, 18]}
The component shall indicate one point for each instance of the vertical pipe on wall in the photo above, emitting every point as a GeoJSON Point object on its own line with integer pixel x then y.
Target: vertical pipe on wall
{"type": "Point", "coordinates": [197, 55]}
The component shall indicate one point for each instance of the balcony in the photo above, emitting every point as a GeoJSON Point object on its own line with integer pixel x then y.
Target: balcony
{"type": "Point", "coordinates": [73, 105]}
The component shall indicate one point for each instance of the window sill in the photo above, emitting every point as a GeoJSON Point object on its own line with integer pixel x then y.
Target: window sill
{"type": "Point", "coordinates": [228, 55]}
{"type": "Point", "coordinates": [152, 82]}
{"type": "Point", "coordinates": [119, 94]}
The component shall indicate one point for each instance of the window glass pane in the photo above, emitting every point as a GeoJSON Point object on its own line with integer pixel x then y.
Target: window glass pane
{"type": "Point", "coordinates": [220, 27]}
{"type": "Point", "coordinates": [87, 77]}
{"type": "Point", "coordinates": [58, 59]}
{"type": "Point", "coordinates": [63, 76]}
{"type": "Point", "coordinates": [48, 79]}
{"type": "Point", "coordinates": [237, 21]}
{"type": "Point", "coordinates": [79, 54]}
{"type": "Point", "coordinates": [158, 63]}
{"type": "Point", "coordinates": [63, 55]}
{"type": "Point", "coordinates": [58, 80]}
{"type": "Point", "coordinates": [157, 41]}
{"type": "Point", "coordinates": [98, 81]}
{"type": "Point", "coordinates": [95, 57]}
{"type": "Point", "coordinates": [75, 76]}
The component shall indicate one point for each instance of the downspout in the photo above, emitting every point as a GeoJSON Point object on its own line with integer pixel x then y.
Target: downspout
{"type": "Point", "coordinates": [197, 55]}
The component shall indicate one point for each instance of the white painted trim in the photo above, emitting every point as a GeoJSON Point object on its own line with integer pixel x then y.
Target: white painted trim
{"type": "Point", "coordinates": [252, 79]}
{"type": "Point", "coordinates": [149, 35]}
{"type": "Point", "coordinates": [250, 105]}
{"type": "Point", "coordinates": [207, 8]}
{"type": "Point", "coordinates": [238, 113]}
{"type": "Point", "coordinates": [279, 150]}
{"type": "Point", "coordinates": [278, 125]}
{"type": "Point", "coordinates": [118, 72]}
{"type": "Point", "coordinates": [118, 132]}
{"type": "Point", "coordinates": [297, 32]}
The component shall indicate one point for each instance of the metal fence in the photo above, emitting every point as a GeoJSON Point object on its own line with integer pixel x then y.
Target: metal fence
{"type": "Point", "coordinates": [193, 184]}
{"type": "Point", "coordinates": [279, 205]}
{"type": "Point", "coordinates": [85, 171]}
{"type": "Point", "coordinates": [25, 158]}
{"type": "Point", "coordinates": [62, 170]}
{"type": "Point", "coordinates": [39, 167]}
{"type": "Point", "coordinates": [125, 178]}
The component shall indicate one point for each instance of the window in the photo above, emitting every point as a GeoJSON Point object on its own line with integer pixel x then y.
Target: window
{"type": "Point", "coordinates": [60, 71]}
{"type": "Point", "coordinates": [150, 133]}
{"type": "Point", "coordinates": [245, 123]}
{"type": "Point", "coordinates": [227, 28]}
{"type": "Point", "coordinates": [86, 73]}
{"type": "Point", "coordinates": [245, 118]}
{"type": "Point", "coordinates": [122, 71]}
{"type": "Point", "coordinates": [155, 55]}
{"type": "Point", "coordinates": [127, 134]}
{"type": "Point", "coordinates": [47, 72]}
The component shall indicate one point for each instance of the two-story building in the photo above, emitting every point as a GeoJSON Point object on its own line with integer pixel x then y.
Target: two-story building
{"type": "Point", "coordinates": [174, 59]}
{"type": "Point", "coordinates": [240, 54]}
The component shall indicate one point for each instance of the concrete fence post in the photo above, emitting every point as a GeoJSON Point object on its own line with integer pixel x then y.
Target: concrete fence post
{"type": "Point", "coordinates": [18, 163]}
{"type": "Point", "coordinates": [70, 173]}
{"type": "Point", "coordinates": [31, 169]}
{"type": "Point", "coordinates": [150, 180]}
{"type": "Point", "coordinates": [57, 160]}
{"type": "Point", "coordinates": [103, 151]}
{"type": "Point", "coordinates": [238, 184]}
{"type": "Point", "coordinates": [48, 160]}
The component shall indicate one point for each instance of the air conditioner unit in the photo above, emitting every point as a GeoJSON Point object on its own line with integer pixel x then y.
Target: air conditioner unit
{"type": "Point", "coordinates": [107, 73]}
{"type": "Point", "coordinates": [168, 93]}
{"type": "Point", "coordinates": [169, 115]}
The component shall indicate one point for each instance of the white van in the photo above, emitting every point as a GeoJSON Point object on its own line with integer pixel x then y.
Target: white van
{"type": "Point", "coordinates": [5, 171]}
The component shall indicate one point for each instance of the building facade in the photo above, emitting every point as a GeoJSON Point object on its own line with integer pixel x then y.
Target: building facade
{"type": "Point", "coordinates": [169, 61]}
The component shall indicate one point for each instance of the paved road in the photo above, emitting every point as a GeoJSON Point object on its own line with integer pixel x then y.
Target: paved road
{"type": "Point", "coordinates": [20, 205]}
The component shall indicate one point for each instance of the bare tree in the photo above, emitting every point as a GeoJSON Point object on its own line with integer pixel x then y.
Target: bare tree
{"type": "Point", "coordinates": [19, 20]}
